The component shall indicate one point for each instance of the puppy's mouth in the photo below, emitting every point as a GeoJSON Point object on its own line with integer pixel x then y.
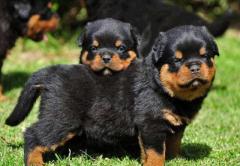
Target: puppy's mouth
{"type": "Point", "coordinates": [194, 83]}
{"type": "Point", "coordinates": [106, 71]}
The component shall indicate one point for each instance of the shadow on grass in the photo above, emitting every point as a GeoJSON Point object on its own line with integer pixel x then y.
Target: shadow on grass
{"type": "Point", "coordinates": [219, 87]}
{"type": "Point", "coordinates": [195, 151]}
{"type": "Point", "coordinates": [77, 147]}
{"type": "Point", "coordinates": [14, 80]}
{"type": "Point", "coordinates": [192, 151]}
{"type": "Point", "coordinates": [15, 146]}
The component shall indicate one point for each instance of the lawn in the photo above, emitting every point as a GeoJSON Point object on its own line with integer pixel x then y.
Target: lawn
{"type": "Point", "coordinates": [212, 139]}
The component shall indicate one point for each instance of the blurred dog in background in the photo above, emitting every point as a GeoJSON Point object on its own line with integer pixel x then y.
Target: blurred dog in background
{"type": "Point", "coordinates": [152, 16]}
{"type": "Point", "coordinates": [19, 18]}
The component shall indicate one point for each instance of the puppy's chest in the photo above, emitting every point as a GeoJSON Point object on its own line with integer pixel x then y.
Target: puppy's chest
{"type": "Point", "coordinates": [114, 95]}
{"type": "Point", "coordinates": [110, 116]}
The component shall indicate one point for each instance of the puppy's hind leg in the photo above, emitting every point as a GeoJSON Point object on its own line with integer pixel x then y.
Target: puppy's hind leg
{"type": "Point", "coordinates": [152, 144]}
{"type": "Point", "coordinates": [38, 142]}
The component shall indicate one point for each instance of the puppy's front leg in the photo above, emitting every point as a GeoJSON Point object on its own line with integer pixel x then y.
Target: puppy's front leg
{"type": "Point", "coordinates": [173, 144]}
{"type": "Point", "coordinates": [152, 149]}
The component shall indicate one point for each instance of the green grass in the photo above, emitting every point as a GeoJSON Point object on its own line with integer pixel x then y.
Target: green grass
{"type": "Point", "coordinates": [212, 139]}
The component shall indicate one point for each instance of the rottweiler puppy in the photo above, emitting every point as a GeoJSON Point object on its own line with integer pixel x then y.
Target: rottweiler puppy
{"type": "Point", "coordinates": [94, 99]}
{"type": "Point", "coordinates": [180, 70]}
{"type": "Point", "coordinates": [18, 18]}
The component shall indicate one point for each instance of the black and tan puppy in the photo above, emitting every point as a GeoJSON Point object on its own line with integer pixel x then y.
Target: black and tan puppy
{"type": "Point", "coordinates": [95, 99]}
{"type": "Point", "coordinates": [18, 18]}
{"type": "Point", "coordinates": [180, 71]}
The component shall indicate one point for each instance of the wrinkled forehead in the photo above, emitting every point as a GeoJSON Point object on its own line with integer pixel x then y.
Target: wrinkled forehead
{"type": "Point", "coordinates": [109, 32]}
{"type": "Point", "coordinates": [188, 43]}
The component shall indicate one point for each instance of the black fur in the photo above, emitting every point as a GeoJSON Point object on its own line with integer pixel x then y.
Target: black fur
{"type": "Point", "coordinates": [114, 110]}
{"type": "Point", "coordinates": [14, 16]}
{"type": "Point", "coordinates": [152, 16]}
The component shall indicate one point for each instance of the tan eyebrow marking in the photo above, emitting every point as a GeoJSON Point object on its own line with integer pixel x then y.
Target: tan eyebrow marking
{"type": "Point", "coordinates": [202, 51]}
{"type": "Point", "coordinates": [118, 43]}
{"type": "Point", "coordinates": [95, 43]}
{"type": "Point", "coordinates": [178, 54]}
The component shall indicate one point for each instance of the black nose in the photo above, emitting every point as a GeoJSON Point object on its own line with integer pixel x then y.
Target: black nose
{"type": "Point", "coordinates": [194, 68]}
{"type": "Point", "coordinates": [106, 58]}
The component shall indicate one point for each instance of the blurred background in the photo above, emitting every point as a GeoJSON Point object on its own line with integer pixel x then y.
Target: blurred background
{"type": "Point", "coordinates": [74, 15]}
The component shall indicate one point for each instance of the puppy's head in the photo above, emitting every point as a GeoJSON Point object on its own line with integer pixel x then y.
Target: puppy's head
{"type": "Point", "coordinates": [36, 16]}
{"type": "Point", "coordinates": [184, 60]}
{"type": "Point", "coordinates": [108, 46]}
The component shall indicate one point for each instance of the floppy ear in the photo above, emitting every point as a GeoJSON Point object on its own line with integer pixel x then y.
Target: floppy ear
{"type": "Point", "coordinates": [158, 47]}
{"type": "Point", "coordinates": [135, 35]}
{"type": "Point", "coordinates": [81, 38]}
{"type": "Point", "coordinates": [23, 9]}
{"type": "Point", "coordinates": [136, 39]}
{"type": "Point", "coordinates": [80, 41]}
{"type": "Point", "coordinates": [215, 48]}
{"type": "Point", "coordinates": [212, 44]}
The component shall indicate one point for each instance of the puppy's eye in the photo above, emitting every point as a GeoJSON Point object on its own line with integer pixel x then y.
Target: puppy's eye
{"type": "Point", "coordinates": [122, 48]}
{"type": "Point", "coordinates": [93, 48]}
{"type": "Point", "coordinates": [176, 60]}
{"type": "Point", "coordinates": [205, 55]}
